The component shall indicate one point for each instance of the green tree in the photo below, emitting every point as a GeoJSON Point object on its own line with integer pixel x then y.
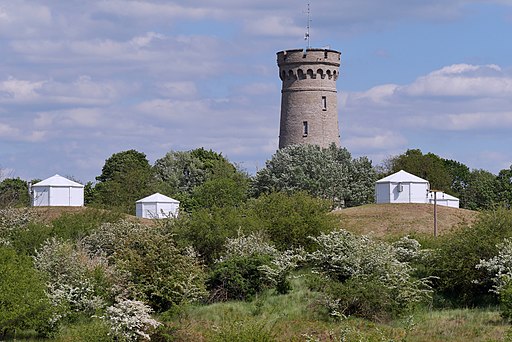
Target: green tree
{"type": "Point", "coordinates": [181, 172]}
{"type": "Point", "coordinates": [460, 176]}
{"type": "Point", "coordinates": [23, 303]}
{"type": "Point", "coordinates": [504, 187]}
{"type": "Point", "coordinates": [126, 177]}
{"type": "Point", "coordinates": [480, 192]}
{"type": "Point", "coordinates": [427, 166]}
{"type": "Point", "coordinates": [14, 193]}
{"type": "Point", "coordinates": [328, 173]}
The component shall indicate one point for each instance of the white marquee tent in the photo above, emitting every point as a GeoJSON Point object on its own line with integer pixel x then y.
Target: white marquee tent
{"type": "Point", "coordinates": [157, 206]}
{"type": "Point", "coordinates": [404, 187]}
{"type": "Point", "coordinates": [401, 187]}
{"type": "Point", "coordinates": [57, 191]}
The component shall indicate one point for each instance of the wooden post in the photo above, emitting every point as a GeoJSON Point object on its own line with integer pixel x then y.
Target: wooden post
{"type": "Point", "coordinates": [435, 213]}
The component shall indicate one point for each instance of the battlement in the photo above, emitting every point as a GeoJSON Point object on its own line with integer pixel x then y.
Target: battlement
{"type": "Point", "coordinates": [308, 64]}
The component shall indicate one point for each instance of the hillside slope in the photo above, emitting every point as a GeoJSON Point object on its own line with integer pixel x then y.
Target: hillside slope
{"type": "Point", "coordinates": [402, 219]}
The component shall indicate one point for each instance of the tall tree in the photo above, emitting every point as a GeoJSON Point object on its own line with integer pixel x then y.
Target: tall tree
{"type": "Point", "coordinates": [181, 172]}
{"type": "Point", "coordinates": [427, 166]}
{"type": "Point", "coordinates": [481, 191]}
{"type": "Point", "coordinates": [328, 173]}
{"type": "Point", "coordinates": [126, 177]}
{"type": "Point", "coordinates": [504, 187]}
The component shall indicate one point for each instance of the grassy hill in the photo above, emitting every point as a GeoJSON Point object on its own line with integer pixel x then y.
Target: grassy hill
{"type": "Point", "coordinates": [400, 219]}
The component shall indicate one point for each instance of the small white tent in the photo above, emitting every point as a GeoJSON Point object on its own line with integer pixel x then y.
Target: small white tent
{"type": "Point", "coordinates": [57, 191]}
{"type": "Point", "coordinates": [401, 187]}
{"type": "Point", "coordinates": [444, 199]}
{"type": "Point", "coordinates": [157, 206]}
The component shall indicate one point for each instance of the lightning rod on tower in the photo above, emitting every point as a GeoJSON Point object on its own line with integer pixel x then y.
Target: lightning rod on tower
{"type": "Point", "coordinates": [308, 26]}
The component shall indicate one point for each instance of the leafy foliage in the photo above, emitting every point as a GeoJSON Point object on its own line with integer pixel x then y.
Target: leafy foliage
{"type": "Point", "coordinates": [289, 219]}
{"type": "Point", "coordinates": [248, 266]}
{"type": "Point", "coordinates": [126, 177]}
{"type": "Point", "coordinates": [454, 261]}
{"type": "Point", "coordinates": [180, 172]}
{"type": "Point", "coordinates": [23, 303]}
{"type": "Point", "coordinates": [427, 166]}
{"type": "Point", "coordinates": [157, 271]}
{"type": "Point", "coordinates": [362, 277]}
{"type": "Point", "coordinates": [14, 193]}
{"type": "Point", "coordinates": [329, 173]}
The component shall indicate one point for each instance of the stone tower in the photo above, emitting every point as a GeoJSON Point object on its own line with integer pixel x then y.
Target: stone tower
{"type": "Point", "coordinates": [309, 104]}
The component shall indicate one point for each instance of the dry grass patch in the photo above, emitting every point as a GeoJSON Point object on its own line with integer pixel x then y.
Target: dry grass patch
{"type": "Point", "coordinates": [388, 220]}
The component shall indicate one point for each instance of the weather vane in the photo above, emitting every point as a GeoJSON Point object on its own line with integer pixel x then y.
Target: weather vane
{"type": "Point", "coordinates": [306, 36]}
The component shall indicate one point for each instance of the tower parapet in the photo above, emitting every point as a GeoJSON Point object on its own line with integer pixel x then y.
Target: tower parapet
{"type": "Point", "coordinates": [309, 105]}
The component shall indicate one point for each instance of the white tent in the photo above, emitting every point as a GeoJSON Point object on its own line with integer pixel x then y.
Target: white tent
{"type": "Point", "coordinates": [401, 187]}
{"type": "Point", "coordinates": [57, 191]}
{"type": "Point", "coordinates": [444, 199]}
{"type": "Point", "coordinates": [157, 206]}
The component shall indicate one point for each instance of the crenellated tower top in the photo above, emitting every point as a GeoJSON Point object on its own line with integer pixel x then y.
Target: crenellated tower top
{"type": "Point", "coordinates": [309, 113]}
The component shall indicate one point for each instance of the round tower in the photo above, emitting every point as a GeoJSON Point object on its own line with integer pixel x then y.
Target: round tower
{"type": "Point", "coordinates": [309, 104]}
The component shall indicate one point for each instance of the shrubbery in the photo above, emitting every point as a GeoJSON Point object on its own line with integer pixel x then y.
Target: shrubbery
{"type": "Point", "coordinates": [248, 266]}
{"type": "Point", "coordinates": [454, 261]}
{"type": "Point", "coordinates": [362, 276]}
{"type": "Point", "coordinates": [23, 303]}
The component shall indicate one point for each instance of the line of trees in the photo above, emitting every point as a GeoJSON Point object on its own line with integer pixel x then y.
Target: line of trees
{"type": "Point", "coordinates": [201, 178]}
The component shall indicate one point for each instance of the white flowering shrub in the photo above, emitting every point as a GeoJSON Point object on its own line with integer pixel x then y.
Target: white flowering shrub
{"type": "Point", "coordinates": [365, 275]}
{"type": "Point", "coordinates": [11, 220]}
{"type": "Point", "coordinates": [75, 280]}
{"type": "Point", "coordinates": [247, 245]}
{"type": "Point", "coordinates": [407, 249]}
{"type": "Point", "coordinates": [130, 320]}
{"type": "Point", "coordinates": [500, 269]}
{"type": "Point", "coordinates": [158, 271]}
{"type": "Point", "coordinates": [500, 266]}
{"type": "Point", "coordinates": [250, 265]}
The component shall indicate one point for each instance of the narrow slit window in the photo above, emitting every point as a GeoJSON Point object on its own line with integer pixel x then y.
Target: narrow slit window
{"type": "Point", "coordinates": [324, 102]}
{"type": "Point", "coordinates": [305, 128]}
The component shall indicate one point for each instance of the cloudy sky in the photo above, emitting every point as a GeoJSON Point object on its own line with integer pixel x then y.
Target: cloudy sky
{"type": "Point", "coordinates": [81, 80]}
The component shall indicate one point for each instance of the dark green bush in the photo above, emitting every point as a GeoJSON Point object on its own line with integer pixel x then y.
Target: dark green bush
{"type": "Point", "coordinates": [72, 226]}
{"type": "Point", "coordinates": [459, 252]}
{"type": "Point", "coordinates": [506, 302]}
{"type": "Point", "coordinates": [237, 278]}
{"type": "Point", "coordinates": [289, 220]}
{"type": "Point", "coordinates": [23, 303]}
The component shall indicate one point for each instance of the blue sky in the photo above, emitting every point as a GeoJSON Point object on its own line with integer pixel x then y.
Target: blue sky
{"type": "Point", "coordinates": [81, 80]}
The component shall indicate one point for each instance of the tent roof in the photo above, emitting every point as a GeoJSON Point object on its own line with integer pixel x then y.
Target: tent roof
{"type": "Point", "coordinates": [402, 177]}
{"type": "Point", "coordinates": [443, 196]}
{"type": "Point", "coordinates": [157, 198]}
{"type": "Point", "coordinates": [58, 181]}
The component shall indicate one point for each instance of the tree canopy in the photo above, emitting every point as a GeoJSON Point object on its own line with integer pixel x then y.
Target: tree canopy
{"type": "Point", "coordinates": [328, 173]}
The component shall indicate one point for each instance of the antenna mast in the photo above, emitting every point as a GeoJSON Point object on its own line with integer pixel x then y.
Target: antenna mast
{"type": "Point", "coordinates": [306, 36]}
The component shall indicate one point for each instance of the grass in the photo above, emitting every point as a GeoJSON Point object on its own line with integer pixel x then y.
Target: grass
{"type": "Point", "coordinates": [293, 317]}
{"type": "Point", "coordinates": [394, 220]}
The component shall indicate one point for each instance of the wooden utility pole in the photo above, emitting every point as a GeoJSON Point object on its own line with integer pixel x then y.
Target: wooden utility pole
{"type": "Point", "coordinates": [435, 210]}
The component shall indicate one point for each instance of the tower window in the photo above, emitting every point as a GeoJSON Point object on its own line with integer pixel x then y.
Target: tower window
{"type": "Point", "coordinates": [324, 102]}
{"type": "Point", "coordinates": [304, 128]}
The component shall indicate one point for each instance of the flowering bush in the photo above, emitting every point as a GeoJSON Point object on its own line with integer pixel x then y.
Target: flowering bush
{"type": "Point", "coordinates": [500, 268]}
{"type": "Point", "coordinates": [158, 272]}
{"type": "Point", "coordinates": [365, 276]}
{"type": "Point", "coordinates": [130, 320]}
{"type": "Point", "coordinates": [248, 266]}
{"type": "Point", "coordinates": [11, 220]}
{"type": "Point", "coordinates": [76, 281]}
{"type": "Point", "coordinates": [407, 249]}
